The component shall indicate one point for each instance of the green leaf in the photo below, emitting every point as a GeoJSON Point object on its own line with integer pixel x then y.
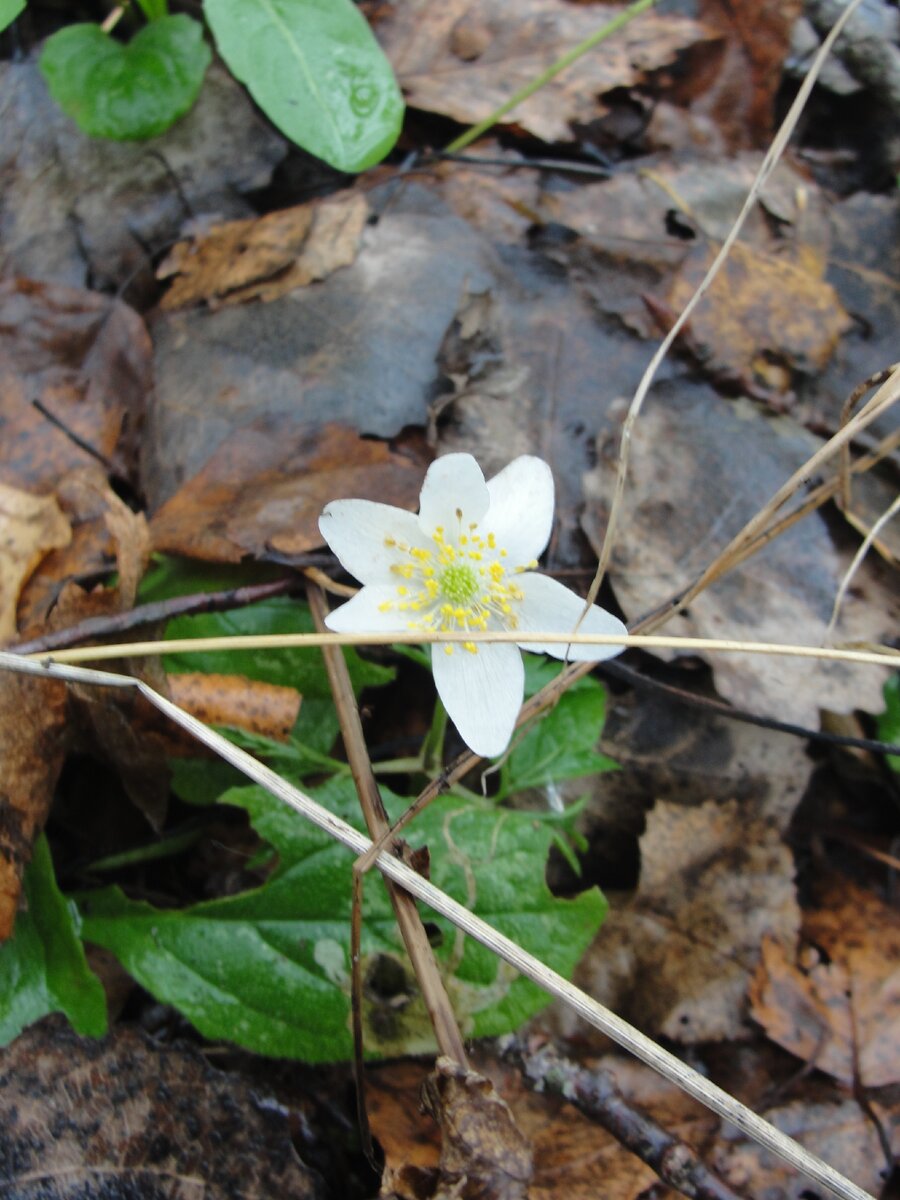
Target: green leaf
{"type": "Point", "coordinates": [171, 575]}
{"type": "Point", "coordinates": [42, 966]}
{"type": "Point", "coordinates": [9, 10]}
{"type": "Point", "coordinates": [315, 69]}
{"type": "Point", "coordinates": [269, 969]}
{"type": "Point", "coordinates": [297, 668]}
{"type": "Point", "coordinates": [126, 92]}
{"type": "Point", "coordinates": [561, 744]}
{"type": "Point", "coordinates": [889, 721]}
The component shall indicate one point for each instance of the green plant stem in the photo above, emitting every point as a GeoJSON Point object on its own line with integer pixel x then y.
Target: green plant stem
{"type": "Point", "coordinates": [613, 26]}
{"type": "Point", "coordinates": [433, 746]}
{"type": "Point", "coordinates": [154, 9]}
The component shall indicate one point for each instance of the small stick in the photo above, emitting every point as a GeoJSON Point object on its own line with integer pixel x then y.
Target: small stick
{"type": "Point", "coordinates": [421, 955]}
{"type": "Point", "coordinates": [596, 1094]}
{"type": "Point", "coordinates": [150, 614]}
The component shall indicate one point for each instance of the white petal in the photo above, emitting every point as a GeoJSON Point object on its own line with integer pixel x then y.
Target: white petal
{"type": "Point", "coordinates": [356, 531]}
{"type": "Point", "coordinates": [482, 693]}
{"type": "Point", "coordinates": [454, 496]}
{"type": "Point", "coordinates": [552, 608]}
{"type": "Point", "coordinates": [363, 614]}
{"type": "Point", "coordinates": [521, 512]}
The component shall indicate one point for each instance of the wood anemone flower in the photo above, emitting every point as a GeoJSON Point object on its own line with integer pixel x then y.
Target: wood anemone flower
{"type": "Point", "coordinates": [466, 562]}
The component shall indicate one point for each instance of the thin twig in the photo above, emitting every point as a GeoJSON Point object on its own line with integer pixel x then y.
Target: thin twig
{"type": "Point", "coordinates": [860, 554]}
{"type": "Point", "coordinates": [721, 708]}
{"type": "Point", "coordinates": [601, 1018]}
{"type": "Point", "coordinates": [275, 641]}
{"type": "Point", "coordinates": [150, 614]}
{"type": "Point", "coordinates": [596, 1094]}
{"type": "Point", "coordinates": [770, 161]}
{"type": "Point", "coordinates": [415, 939]}
{"type": "Point", "coordinates": [740, 545]}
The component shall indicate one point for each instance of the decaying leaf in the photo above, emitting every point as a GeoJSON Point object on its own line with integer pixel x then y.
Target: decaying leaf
{"type": "Point", "coordinates": [32, 747]}
{"type": "Point", "coordinates": [677, 959]}
{"type": "Point", "coordinates": [86, 358]}
{"type": "Point", "coordinates": [359, 348]}
{"type": "Point", "coordinates": [463, 59]}
{"type": "Point", "coordinates": [265, 257]}
{"type": "Point", "coordinates": [838, 1005]}
{"type": "Point", "coordinates": [760, 313]}
{"type": "Point", "coordinates": [261, 708]}
{"type": "Point", "coordinates": [700, 468]}
{"type": "Point", "coordinates": [30, 526]}
{"type": "Point", "coordinates": [125, 1117]}
{"type": "Point", "coordinates": [263, 490]}
{"type": "Point", "coordinates": [573, 1156]}
{"type": "Point", "coordinates": [106, 535]}
{"type": "Point", "coordinates": [76, 208]}
{"type": "Point", "coordinates": [835, 1129]}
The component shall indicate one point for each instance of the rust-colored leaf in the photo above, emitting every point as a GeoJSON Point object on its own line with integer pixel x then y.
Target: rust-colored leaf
{"type": "Point", "coordinates": [838, 1005]}
{"type": "Point", "coordinates": [760, 310]}
{"type": "Point", "coordinates": [30, 526]}
{"type": "Point", "coordinates": [266, 257]}
{"type": "Point", "coordinates": [261, 493]}
{"type": "Point", "coordinates": [105, 532]}
{"type": "Point", "coordinates": [32, 747]}
{"type": "Point", "coordinates": [249, 704]}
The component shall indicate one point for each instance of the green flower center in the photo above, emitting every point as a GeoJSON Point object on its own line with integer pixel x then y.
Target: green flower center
{"type": "Point", "coordinates": [458, 583]}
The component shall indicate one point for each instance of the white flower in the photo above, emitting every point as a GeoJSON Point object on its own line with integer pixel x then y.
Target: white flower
{"type": "Point", "coordinates": [464, 563]}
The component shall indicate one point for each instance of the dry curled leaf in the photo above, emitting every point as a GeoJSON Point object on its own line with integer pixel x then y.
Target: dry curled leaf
{"type": "Point", "coordinates": [837, 1006]}
{"type": "Point", "coordinates": [30, 526]}
{"type": "Point", "coordinates": [265, 257]}
{"type": "Point", "coordinates": [263, 490]}
{"type": "Point", "coordinates": [464, 59]}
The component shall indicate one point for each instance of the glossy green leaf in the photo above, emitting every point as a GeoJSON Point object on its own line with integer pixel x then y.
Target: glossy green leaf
{"type": "Point", "coordinates": [269, 969]}
{"type": "Point", "coordinates": [9, 10]}
{"type": "Point", "coordinates": [889, 721]}
{"type": "Point", "coordinates": [126, 92]}
{"type": "Point", "coordinates": [561, 744]}
{"type": "Point", "coordinates": [315, 69]}
{"type": "Point", "coordinates": [42, 966]}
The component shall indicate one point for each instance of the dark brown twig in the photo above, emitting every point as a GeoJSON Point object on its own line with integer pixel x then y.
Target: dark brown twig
{"type": "Point", "coordinates": [93, 628]}
{"type": "Point", "coordinates": [596, 1094]}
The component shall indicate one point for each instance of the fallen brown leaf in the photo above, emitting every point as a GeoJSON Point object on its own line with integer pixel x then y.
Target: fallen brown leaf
{"type": "Point", "coordinates": [760, 311]}
{"type": "Point", "coordinates": [266, 257]}
{"type": "Point", "coordinates": [263, 708]}
{"type": "Point", "coordinates": [700, 468]}
{"type": "Point", "coordinates": [573, 1156]}
{"type": "Point", "coordinates": [678, 958]}
{"type": "Point", "coordinates": [76, 208]}
{"type": "Point", "coordinates": [123, 1116]}
{"type": "Point", "coordinates": [739, 90]}
{"type": "Point", "coordinates": [464, 59]}
{"type": "Point", "coordinates": [32, 748]}
{"type": "Point", "coordinates": [30, 526]}
{"type": "Point", "coordinates": [263, 490]}
{"type": "Point", "coordinates": [837, 1005]}
{"type": "Point", "coordinates": [87, 359]}
{"type": "Point", "coordinates": [105, 532]}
